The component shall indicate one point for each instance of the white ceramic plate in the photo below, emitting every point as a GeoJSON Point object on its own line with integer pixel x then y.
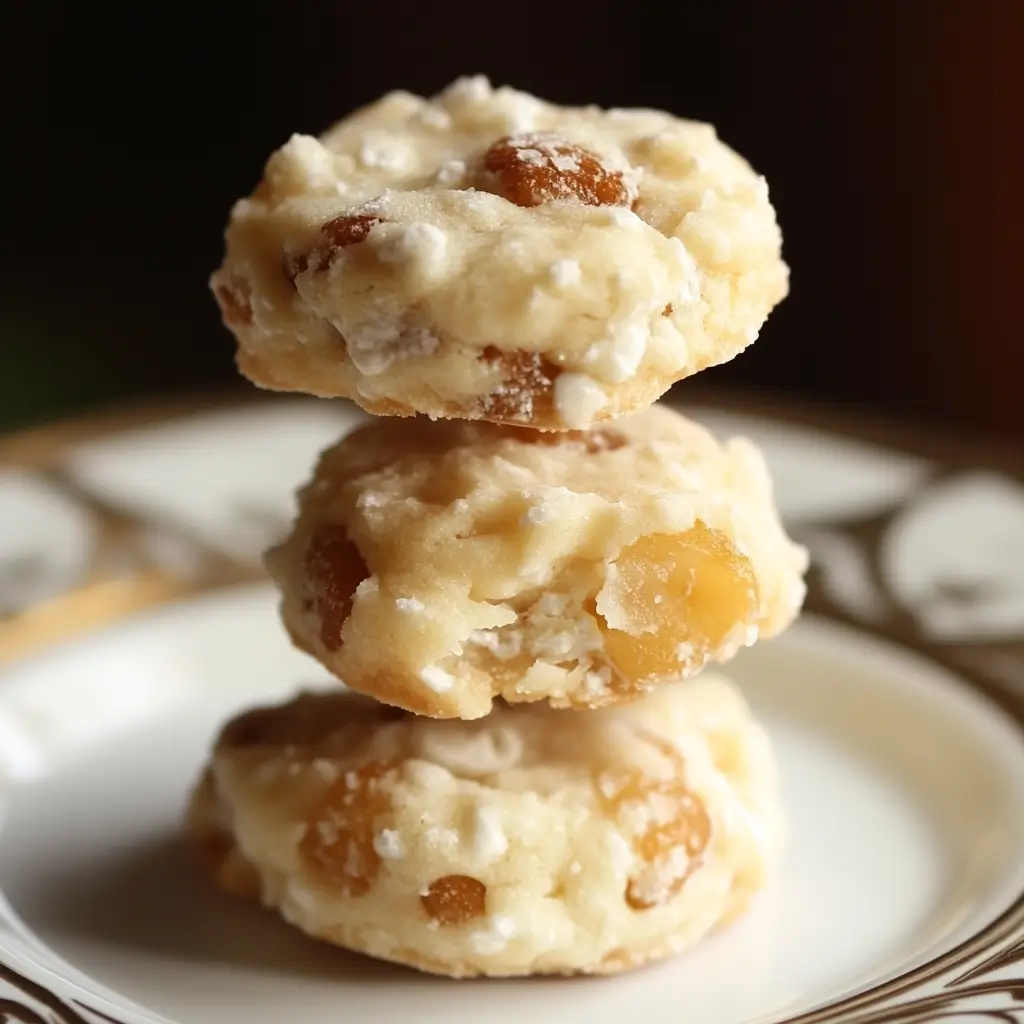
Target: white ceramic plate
{"type": "Point", "coordinates": [899, 897]}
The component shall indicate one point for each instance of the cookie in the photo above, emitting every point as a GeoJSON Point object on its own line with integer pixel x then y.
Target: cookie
{"type": "Point", "coordinates": [532, 842]}
{"type": "Point", "coordinates": [486, 255]}
{"type": "Point", "coordinates": [438, 565]}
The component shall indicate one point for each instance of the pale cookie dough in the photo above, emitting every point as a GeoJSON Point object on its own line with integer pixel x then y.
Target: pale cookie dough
{"type": "Point", "coordinates": [532, 842]}
{"type": "Point", "coordinates": [487, 255]}
{"type": "Point", "coordinates": [436, 566]}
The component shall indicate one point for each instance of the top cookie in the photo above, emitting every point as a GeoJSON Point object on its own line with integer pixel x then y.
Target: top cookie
{"type": "Point", "coordinates": [487, 255]}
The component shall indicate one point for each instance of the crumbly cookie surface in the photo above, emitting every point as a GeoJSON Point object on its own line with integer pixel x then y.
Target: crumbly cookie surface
{"type": "Point", "coordinates": [532, 842]}
{"type": "Point", "coordinates": [436, 566]}
{"type": "Point", "coordinates": [486, 255]}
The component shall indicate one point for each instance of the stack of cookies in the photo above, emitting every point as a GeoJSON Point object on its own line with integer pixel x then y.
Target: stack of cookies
{"type": "Point", "coordinates": [520, 569]}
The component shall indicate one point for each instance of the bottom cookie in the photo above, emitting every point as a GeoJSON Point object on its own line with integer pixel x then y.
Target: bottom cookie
{"type": "Point", "coordinates": [532, 841]}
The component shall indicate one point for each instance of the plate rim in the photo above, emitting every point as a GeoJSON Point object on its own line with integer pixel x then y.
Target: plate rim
{"type": "Point", "coordinates": [982, 975]}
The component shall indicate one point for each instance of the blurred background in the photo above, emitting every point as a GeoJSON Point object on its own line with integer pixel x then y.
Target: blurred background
{"type": "Point", "coordinates": [889, 131]}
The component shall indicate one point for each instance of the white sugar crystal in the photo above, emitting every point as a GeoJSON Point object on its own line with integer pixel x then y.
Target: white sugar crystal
{"type": "Point", "coordinates": [384, 151]}
{"type": "Point", "coordinates": [489, 839]}
{"type": "Point", "coordinates": [578, 399]}
{"type": "Point", "coordinates": [618, 356]}
{"type": "Point", "coordinates": [565, 273]}
{"type": "Point", "coordinates": [452, 172]}
{"type": "Point", "coordinates": [437, 679]}
{"type": "Point", "coordinates": [418, 242]}
{"type": "Point", "coordinates": [689, 290]}
{"type": "Point", "coordinates": [376, 345]}
{"type": "Point", "coordinates": [445, 837]}
{"type": "Point", "coordinates": [595, 683]}
{"type": "Point", "coordinates": [503, 645]}
{"type": "Point", "coordinates": [493, 939]}
{"type": "Point", "coordinates": [568, 163]}
{"type": "Point", "coordinates": [388, 845]}
{"type": "Point", "coordinates": [410, 605]}
{"type": "Point", "coordinates": [535, 515]}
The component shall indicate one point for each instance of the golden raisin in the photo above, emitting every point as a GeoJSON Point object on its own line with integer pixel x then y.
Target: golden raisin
{"type": "Point", "coordinates": [348, 229]}
{"type": "Point", "coordinates": [334, 568]}
{"type": "Point", "coordinates": [338, 841]}
{"type": "Point", "coordinates": [526, 389]}
{"type": "Point", "coordinates": [532, 169]}
{"type": "Point", "coordinates": [672, 845]}
{"type": "Point", "coordinates": [235, 300]}
{"type": "Point", "coordinates": [339, 233]}
{"type": "Point", "coordinates": [692, 590]}
{"type": "Point", "coordinates": [455, 899]}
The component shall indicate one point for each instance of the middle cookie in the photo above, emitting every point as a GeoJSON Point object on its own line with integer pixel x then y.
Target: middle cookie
{"type": "Point", "coordinates": [438, 565]}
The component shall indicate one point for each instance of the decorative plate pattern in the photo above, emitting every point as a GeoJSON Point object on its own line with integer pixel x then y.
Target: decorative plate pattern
{"type": "Point", "coordinates": [918, 541]}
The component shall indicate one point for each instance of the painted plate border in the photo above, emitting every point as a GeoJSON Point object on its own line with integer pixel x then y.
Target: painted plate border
{"type": "Point", "coordinates": [916, 538]}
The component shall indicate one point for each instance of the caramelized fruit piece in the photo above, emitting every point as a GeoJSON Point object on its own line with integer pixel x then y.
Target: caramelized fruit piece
{"type": "Point", "coordinates": [338, 842]}
{"type": "Point", "coordinates": [347, 230]}
{"type": "Point", "coordinates": [694, 588]}
{"type": "Point", "coordinates": [528, 380]}
{"type": "Point", "coordinates": [339, 233]}
{"type": "Point", "coordinates": [234, 298]}
{"type": "Point", "coordinates": [455, 899]}
{"type": "Point", "coordinates": [532, 169]}
{"type": "Point", "coordinates": [334, 568]}
{"type": "Point", "coordinates": [673, 843]}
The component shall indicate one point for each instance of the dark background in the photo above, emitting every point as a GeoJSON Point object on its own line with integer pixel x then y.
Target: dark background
{"type": "Point", "coordinates": [890, 132]}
